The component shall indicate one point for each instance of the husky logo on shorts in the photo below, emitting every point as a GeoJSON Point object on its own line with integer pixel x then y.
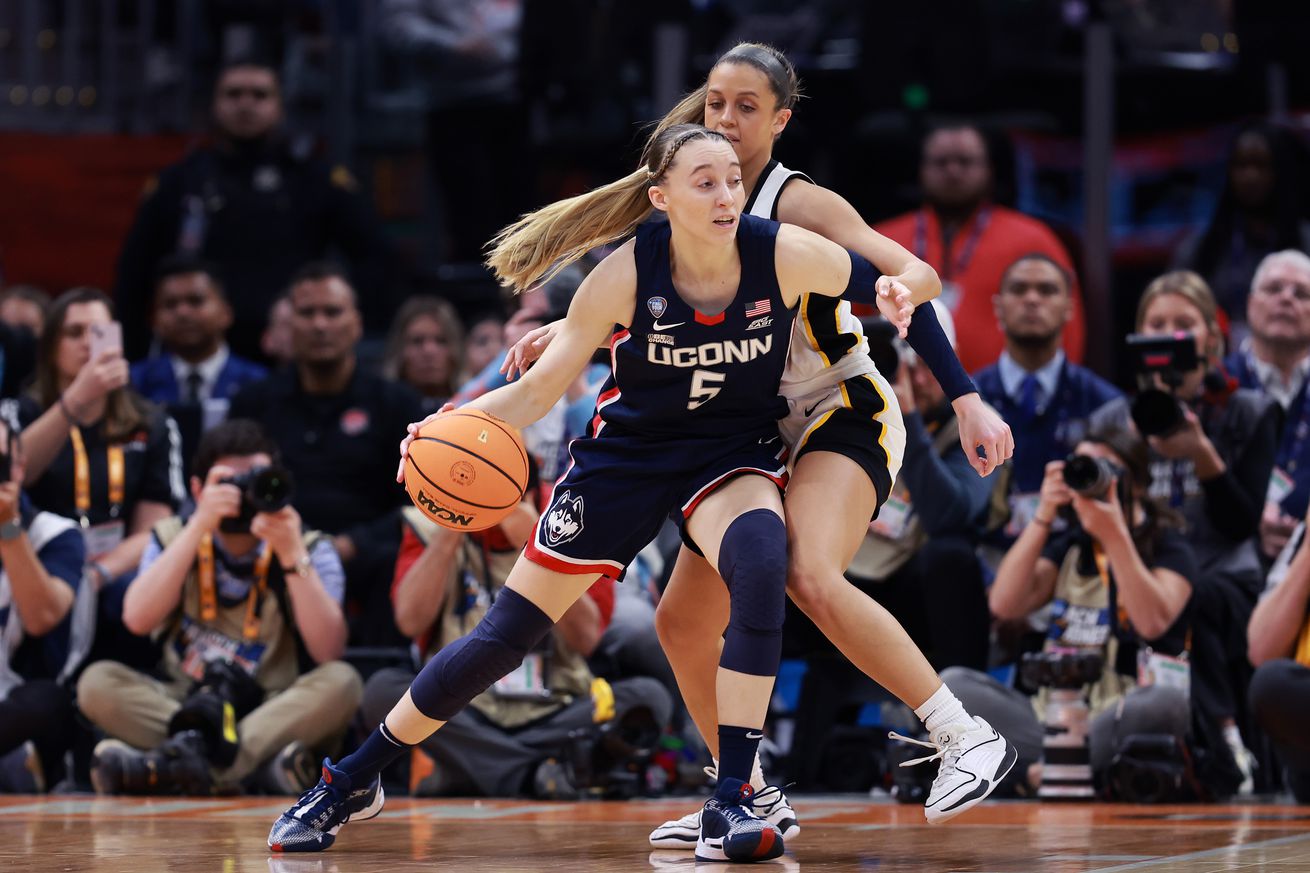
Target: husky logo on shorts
{"type": "Point", "coordinates": [657, 305]}
{"type": "Point", "coordinates": [564, 520]}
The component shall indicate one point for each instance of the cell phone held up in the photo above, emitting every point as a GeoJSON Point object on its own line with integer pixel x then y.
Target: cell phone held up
{"type": "Point", "coordinates": [105, 336]}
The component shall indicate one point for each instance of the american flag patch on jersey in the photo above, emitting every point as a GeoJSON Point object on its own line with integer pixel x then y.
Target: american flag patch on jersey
{"type": "Point", "coordinates": [761, 307]}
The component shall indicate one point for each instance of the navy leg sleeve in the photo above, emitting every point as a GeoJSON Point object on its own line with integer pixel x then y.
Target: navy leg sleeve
{"type": "Point", "coordinates": [464, 669]}
{"type": "Point", "coordinates": [753, 563]}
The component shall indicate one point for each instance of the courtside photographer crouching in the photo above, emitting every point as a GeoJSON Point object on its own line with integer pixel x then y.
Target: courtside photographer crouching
{"type": "Point", "coordinates": [1118, 580]}
{"type": "Point", "coordinates": [246, 608]}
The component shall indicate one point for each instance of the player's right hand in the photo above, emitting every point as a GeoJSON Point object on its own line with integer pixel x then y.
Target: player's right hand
{"type": "Point", "coordinates": [412, 431]}
{"type": "Point", "coordinates": [524, 352]}
{"type": "Point", "coordinates": [218, 499]}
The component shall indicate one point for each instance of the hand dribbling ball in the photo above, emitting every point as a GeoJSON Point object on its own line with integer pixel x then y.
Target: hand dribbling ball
{"type": "Point", "coordinates": [466, 470]}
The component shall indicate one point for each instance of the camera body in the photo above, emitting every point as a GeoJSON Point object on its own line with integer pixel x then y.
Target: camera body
{"type": "Point", "coordinates": [223, 696]}
{"type": "Point", "coordinates": [1150, 768]}
{"type": "Point", "coordinates": [263, 489]}
{"type": "Point", "coordinates": [1069, 670]}
{"type": "Point", "coordinates": [1157, 412]}
{"type": "Point", "coordinates": [1090, 477]}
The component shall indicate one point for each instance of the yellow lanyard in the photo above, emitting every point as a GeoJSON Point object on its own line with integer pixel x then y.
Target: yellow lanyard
{"type": "Point", "coordinates": [117, 470]}
{"type": "Point", "coordinates": [209, 595]}
{"type": "Point", "coordinates": [1103, 567]}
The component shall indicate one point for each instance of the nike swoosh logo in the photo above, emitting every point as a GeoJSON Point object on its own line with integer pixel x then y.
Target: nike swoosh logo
{"type": "Point", "coordinates": [764, 441]}
{"type": "Point", "coordinates": [751, 736]}
{"type": "Point", "coordinates": [659, 326]}
{"type": "Point", "coordinates": [810, 411]}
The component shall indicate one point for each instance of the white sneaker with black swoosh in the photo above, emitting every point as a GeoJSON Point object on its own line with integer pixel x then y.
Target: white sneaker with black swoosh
{"type": "Point", "coordinates": [973, 760]}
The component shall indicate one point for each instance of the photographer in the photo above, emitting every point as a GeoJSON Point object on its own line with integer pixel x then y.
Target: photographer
{"type": "Point", "coordinates": [46, 620]}
{"type": "Point", "coordinates": [240, 599]}
{"type": "Point", "coordinates": [1279, 635]}
{"type": "Point", "coordinates": [1212, 452]}
{"type": "Point", "coordinates": [511, 739]}
{"type": "Point", "coordinates": [1119, 582]}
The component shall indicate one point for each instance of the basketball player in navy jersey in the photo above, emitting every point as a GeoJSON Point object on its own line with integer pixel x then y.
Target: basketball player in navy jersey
{"type": "Point", "coordinates": [686, 427]}
{"type": "Point", "coordinates": [846, 436]}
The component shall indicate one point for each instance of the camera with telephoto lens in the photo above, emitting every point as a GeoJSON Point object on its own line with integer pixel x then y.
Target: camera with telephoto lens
{"type": "Point", "coordinates": [223, 696]}
{"type": "Point", "coordinates": [1090, 477]}
{"type": "Point", "coordinates": [1158, 412]}
{"type": "Point", "coordinates": [263, 489]}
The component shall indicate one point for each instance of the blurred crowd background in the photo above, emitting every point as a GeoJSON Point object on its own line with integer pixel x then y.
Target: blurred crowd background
{"type": "Point", "coordinates": [283, 205]}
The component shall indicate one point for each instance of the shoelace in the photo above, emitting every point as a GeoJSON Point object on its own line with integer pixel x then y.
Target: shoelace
{"type": "Point", "coordinates": [765, 797]}
{"type": "Point", "coordinates": [948, 754]}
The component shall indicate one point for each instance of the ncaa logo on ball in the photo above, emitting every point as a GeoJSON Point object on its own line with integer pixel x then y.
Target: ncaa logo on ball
{"type": "Point", "coordinates": [657, 305]}
{"type": "Point", "coordinates": [462, 473]}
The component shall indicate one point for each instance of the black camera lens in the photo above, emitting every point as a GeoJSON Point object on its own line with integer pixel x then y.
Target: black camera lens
{"type": "Point", "coordinates": [1088, 476]}
{"type": "Point", "coordinates": [269, 489]}
{"type": "Point", "coordinates": [1156, 412]}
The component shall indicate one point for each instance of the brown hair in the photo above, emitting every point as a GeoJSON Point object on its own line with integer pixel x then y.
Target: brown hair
{"type": "Point", "coordinates": [540, 244]}
{"type": "Point", "coordinates": [125, 411]}
{"type": "Point", "coordinates": [425, 306]}
{"type": "Point", "coordinates": [1135, 456]}
{"type": "Point", "coordinates": [1192, 288]}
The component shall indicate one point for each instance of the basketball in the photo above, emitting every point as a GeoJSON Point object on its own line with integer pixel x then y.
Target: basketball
{"type": "Point", "coordinates": [466, 470]}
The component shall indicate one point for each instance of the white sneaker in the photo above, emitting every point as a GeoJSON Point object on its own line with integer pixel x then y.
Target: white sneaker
{"type": "Point", "coordinates": [973, 761]}
{"type": "Point", "coordinates": [770, 804]}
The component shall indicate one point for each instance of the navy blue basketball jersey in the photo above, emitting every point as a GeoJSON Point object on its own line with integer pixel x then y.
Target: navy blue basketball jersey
{"type": "Point", "coordinates": [681, 373]}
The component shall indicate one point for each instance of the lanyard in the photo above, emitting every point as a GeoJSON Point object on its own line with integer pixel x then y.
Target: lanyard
{"type": "Point", "coordinates": [980, 222]}
{"type": "Point", "coordinates": [1302, 654]}
{"type": "Point", "coordinates": [1103, 568]}
{"type": "Point", "coordinates": [209, 596]}
{"type": "Point", "coordinates": [117, 471]}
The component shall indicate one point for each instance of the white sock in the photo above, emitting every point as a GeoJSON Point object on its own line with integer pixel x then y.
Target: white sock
{"type": "Point", "coordinates": [1232, 736]}
{"type": "Point", "coordinates": [757, 773]}
{"type": "Point", "coordinates": [943, 709]}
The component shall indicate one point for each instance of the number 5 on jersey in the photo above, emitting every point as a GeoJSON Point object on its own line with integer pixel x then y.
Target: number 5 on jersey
{"type": "Point", "coordinates": [705, 386]}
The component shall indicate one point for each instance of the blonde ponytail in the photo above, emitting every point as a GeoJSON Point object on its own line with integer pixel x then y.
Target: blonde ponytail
{"type": "Point", "coordinates": [533, 249]}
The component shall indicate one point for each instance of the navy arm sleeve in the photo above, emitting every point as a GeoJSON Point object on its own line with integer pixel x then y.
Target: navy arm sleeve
{"type": "Point", "coordinates": [925, 334]}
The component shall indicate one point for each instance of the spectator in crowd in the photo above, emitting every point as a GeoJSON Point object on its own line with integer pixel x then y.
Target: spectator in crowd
{"type": "Point", "coordinates": [338, 427]}
{"type": "Point", "coordinates": [1214, 468]}
{"type": "Point", "coordinates": [971, 241]}
{"type": "Point", "coordinates": [1137, 596]}
{"type": "Point", "coordinates": [24, 306]}
{"type": "Point", "coordinates": [1044, 397]}
{"type": "Point", "coordinates": [46, 620]}
{"type": "Point", "coordinates": [275, 341]}
{"type": "Point", "coordinates": [238, 599]}
{"type": "Point", "coordinates": [256, 209]}
{"type": "Point", "coordinates": [1279, 646]}
{"type": "Point", "coordinates": [466, 53]}
{"type": "Point", "coordinates": [1259, 212]}
{"type": "Point", "coordinates": [1274, 360]}
{"type": "Point", "coordinates": [195, 375]}
{"type": "Point", "coordinates": [921, 549]}
{"type": "Point", "coordinates": [95, 450]}
{"type": "Point", "coordinates": [22, 318]}
{"type": "Point", "coordinates": [484, 341]}
{"type": "Point", "coordinates": [425, 349]}
{"type": "Point", "coordinates": [509, 741]}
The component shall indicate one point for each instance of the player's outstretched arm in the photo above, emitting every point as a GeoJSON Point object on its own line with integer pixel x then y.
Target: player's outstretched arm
{"type": "Point", "coordinates": [606, 298]}
{"type": "Point", "coordinates": [830, 215]}
{"type": "Point", "coordinates": [809, 263]}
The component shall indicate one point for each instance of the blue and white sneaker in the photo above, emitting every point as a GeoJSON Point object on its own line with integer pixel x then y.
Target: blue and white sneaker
{"type": "Point", "coordinates": [768, 803]}
{"type": "Point", "coordinates": [974, 759]}
{"type": "Point", "coordinates": [311, 824]}
{"type": "Point", "coordinates": [731, 831]}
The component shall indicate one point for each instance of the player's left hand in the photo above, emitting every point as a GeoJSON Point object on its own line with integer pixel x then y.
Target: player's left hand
{"type": "Point", "coordinates": [980, 425]}
{"type": "Point", "coordinates": [412, 431]}
{"type": "Point", "coordinates": [281, 530]}
{"type": "Point", "coordinates": [895, 303]}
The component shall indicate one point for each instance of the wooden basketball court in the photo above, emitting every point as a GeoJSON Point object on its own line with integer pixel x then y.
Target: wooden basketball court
{"type": "Point", "coordinates": [77, 833]}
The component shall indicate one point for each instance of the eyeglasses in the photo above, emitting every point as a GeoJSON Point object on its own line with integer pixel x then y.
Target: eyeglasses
{"type": "Point", "coordinates": [237, 92]}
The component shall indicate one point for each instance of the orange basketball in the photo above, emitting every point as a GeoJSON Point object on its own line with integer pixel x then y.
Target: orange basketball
{"type": "Point", "coordinates": [467, 470]}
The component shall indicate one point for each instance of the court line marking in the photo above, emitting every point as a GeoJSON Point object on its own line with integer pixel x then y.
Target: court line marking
{"type": "Point", "coordinates": [1207, 853]}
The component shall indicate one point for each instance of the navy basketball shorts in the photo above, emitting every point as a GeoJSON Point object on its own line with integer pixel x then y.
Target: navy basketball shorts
{"type": "Point", "coordinates": [619, 489]}
{"type": "Point", "coordinates": [858, 418]}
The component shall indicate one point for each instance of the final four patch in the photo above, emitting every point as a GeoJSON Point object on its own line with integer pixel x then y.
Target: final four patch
{"type": "Point", "coordinates": [657, 306]}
